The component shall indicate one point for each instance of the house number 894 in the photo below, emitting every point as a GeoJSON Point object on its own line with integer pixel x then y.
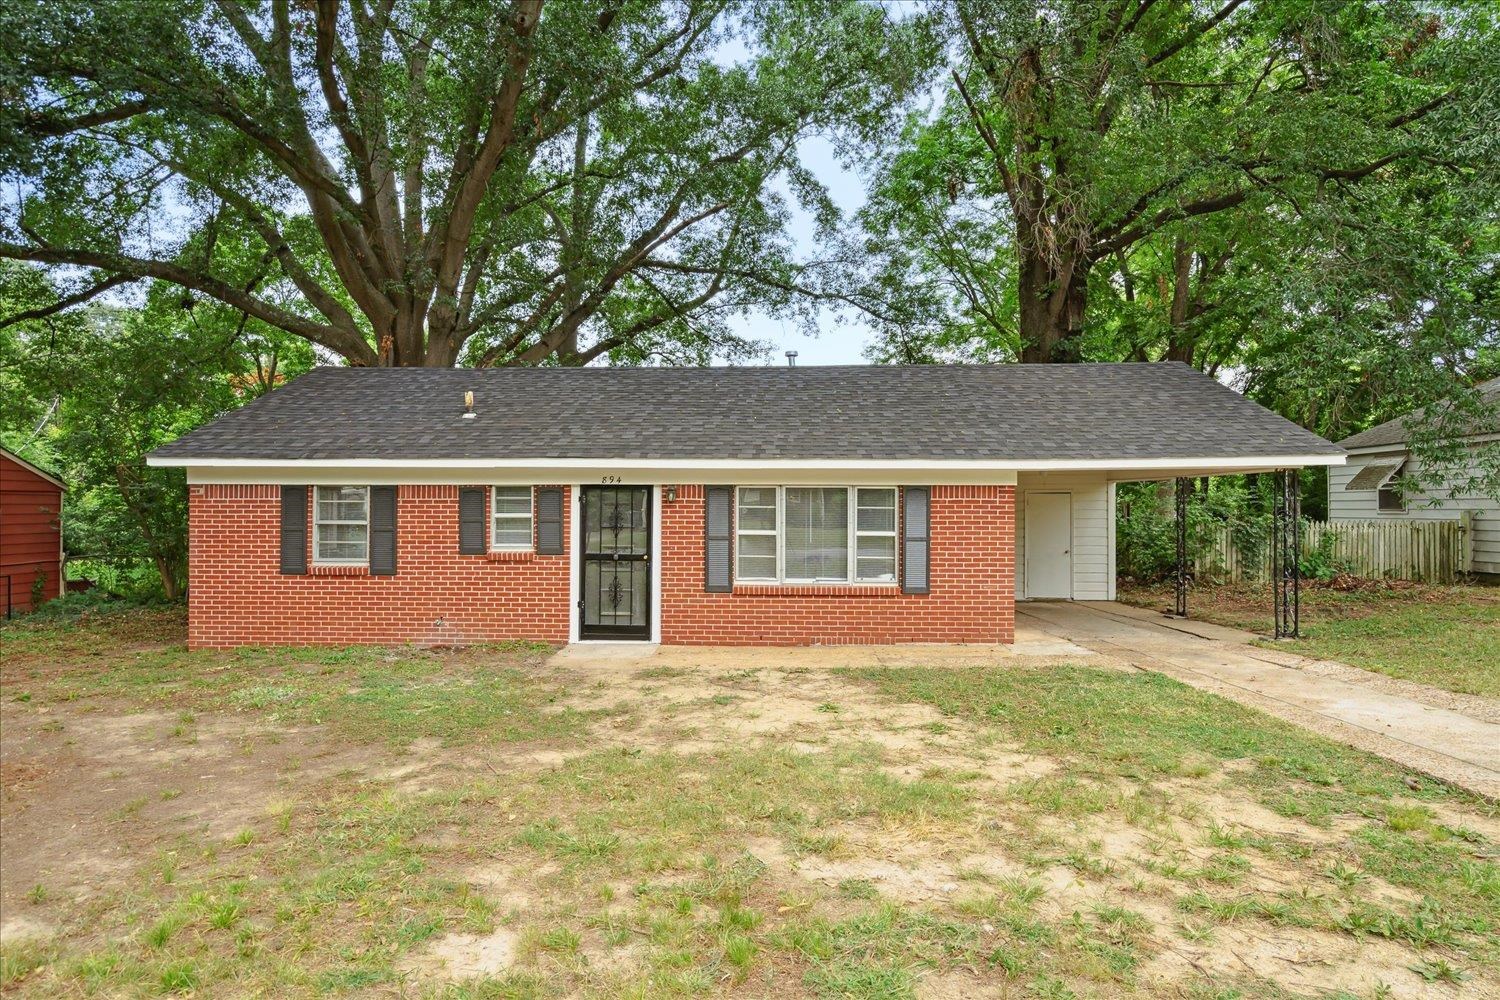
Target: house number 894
{"type": "Point", "coordinates": [609, 480]}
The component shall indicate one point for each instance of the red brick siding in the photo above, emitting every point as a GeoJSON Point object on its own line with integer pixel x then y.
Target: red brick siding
{"type": "Point", "coordinates": [972, 570]}
{"type": "Point", "coordinates": [237, 595]}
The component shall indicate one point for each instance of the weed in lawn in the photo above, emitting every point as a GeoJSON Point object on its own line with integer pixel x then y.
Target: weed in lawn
{"type": "Point", "coordinates": [180, 976]}
{"type": "Point", "coordinates": [1437, 970]}
{"type": "Point", "coordinates": [225, 915]}
{"type": "Point", "coordinates": [159, 933]}
{"type": "Point", "coordinates": [1344, 876]}
{"type": "Point", "coordinates": [858, 888]}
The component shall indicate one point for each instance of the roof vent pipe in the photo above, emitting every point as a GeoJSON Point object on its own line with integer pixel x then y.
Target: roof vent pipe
{"type": "Point", "coordinates": [791, 359]}
{"type": "Point", "coordinates": [469, 413]}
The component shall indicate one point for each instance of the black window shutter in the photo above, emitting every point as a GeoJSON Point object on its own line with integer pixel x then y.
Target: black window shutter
{"type": "Point", "coordinates": [549, 530]}
{"type": "Point", "coordinates": [471, 533]}
{"type": "Point", "coordinates": [294, 530]}
{"type": "Point", "coordinates": [718, 539]}
{"type": "Point", "coordinates": [916, 539]}
{"type": "Point", "coordinates": [382, 531]}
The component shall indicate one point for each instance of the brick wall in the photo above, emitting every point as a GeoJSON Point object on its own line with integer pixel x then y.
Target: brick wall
{"type": "Point", "coordinates": [236, 594]}
{"type": "Point", "coordinates": [972, 582]}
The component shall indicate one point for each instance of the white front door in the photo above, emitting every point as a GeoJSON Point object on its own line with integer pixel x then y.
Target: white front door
{"type": "Point", "coordinates": [1049, 545]}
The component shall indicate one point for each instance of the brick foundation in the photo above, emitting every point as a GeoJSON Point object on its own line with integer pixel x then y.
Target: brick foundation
{"type": "Point", "coordinates": [237, 595]}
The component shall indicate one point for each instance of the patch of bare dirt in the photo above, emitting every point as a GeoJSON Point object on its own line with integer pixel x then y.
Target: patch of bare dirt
{"type": "Point", "coordinates": [463, 956]}
{"type": "Point", "coordinates": [1304, 962]}
{"type": "Point", "coordinates": [90, 796]}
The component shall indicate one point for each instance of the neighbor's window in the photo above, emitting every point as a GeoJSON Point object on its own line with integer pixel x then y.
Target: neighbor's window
{"type": "Point", "coordinates": [1389, 498]}
{"type": "Point", "coordinates": [341, 524]}
{"type": "Point", "coordinates": [511, 507]}
{"type": "Point", "coordinates": [815, 534]}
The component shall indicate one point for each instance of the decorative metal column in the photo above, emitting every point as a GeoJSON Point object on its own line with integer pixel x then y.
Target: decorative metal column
{"type": "Point", "coordinates": [1286, 555]}
{"type": "Point", "coordinates": [1184, 486]}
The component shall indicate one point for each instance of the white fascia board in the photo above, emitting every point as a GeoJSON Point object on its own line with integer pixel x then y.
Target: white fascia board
{"type": "Point", "coordinates": [1472, 440]}
{"type": "Point", "coordinates": [735, 464]}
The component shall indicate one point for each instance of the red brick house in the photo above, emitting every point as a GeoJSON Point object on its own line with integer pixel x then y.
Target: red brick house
{"type": "Point", "coordinates": [858, 504]}
{"type": "Point", "coordinates": [30, 533]}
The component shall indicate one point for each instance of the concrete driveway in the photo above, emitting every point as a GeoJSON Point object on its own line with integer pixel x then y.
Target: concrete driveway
{"type": "Point", "coordinates": [1454, 738]}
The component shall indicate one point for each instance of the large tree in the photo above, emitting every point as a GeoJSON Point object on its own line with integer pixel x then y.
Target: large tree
{"type": "Point", "coordinates": [1149, 152]}
{"type": "Point", "coordinates": [424, 182]}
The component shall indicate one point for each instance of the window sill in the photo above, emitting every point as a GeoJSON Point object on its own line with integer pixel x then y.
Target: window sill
{"type": "Point", "coordinates": [818, 589]}
{"type": "Point", "coordinates": [331, 569]}
{"type": "Point", "coordinates": [509, 555]}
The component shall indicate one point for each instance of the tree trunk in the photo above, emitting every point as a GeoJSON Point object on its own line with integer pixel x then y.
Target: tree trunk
{"type": "Point", "coordinates": [1052, 301]}
{"type": "Point", "coordinates": [168, 574]}
{"type": "Point", "coordinates": [1180, 343]}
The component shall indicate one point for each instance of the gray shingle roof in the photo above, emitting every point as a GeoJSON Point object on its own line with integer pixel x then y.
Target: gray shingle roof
{"type": "Point", "coordinates": [1395, 431]}
{"type": "Point", "coordinates": [965, 412]}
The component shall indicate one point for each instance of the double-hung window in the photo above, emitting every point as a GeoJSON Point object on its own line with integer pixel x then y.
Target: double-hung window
{"type": "Point", "coordinates": [815, 534]}
{"type": "Point", "coordinates": [341, 525]}
{"type": "Point", "coordinates": [755, 535]}
{"type": "Point", "coordinates": [510, 509]}
{"type": "Point", "coordinates": [875, 535]}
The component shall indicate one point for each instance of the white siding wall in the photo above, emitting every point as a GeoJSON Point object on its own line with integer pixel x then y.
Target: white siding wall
{"type": "Point", "coordinates": [1093, 530]}
{"type": "Point", "coordinates": [1361, 505]}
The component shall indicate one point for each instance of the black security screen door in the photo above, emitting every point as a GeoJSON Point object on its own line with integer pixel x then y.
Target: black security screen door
{"type": "Point", "coordinates": [615, 592]}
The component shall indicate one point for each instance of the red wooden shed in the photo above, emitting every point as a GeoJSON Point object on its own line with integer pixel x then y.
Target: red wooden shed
{"type": "Point", "coordinates": [30, 532]}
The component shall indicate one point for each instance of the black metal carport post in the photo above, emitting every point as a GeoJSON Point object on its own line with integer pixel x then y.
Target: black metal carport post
{"type": "Point", "coordinates": [1286, 555]}
{"type": "Point", "coordinates": [1184, 485]}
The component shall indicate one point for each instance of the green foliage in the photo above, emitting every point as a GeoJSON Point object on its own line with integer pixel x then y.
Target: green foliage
{"type": "Point", "coordinates": [424, 183]}
{"type": "Point", "coordinates": [118, 383]}
{"type": "Point", "coordinates": [1146, 523]}
{"type": "Point", "coordinates": [1320, 562]}
{"type": "Point", "coordinates": [1302, 194]}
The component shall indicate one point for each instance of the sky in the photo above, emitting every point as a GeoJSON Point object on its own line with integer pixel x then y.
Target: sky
{"type": "Point", "coordinates": [837, 343]}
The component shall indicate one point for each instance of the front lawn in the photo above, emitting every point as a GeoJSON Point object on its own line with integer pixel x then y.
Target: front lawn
{"type": "Point", "coordinates": [495, 823]}
{"type": "Point", "coordinates": [1448, 637]}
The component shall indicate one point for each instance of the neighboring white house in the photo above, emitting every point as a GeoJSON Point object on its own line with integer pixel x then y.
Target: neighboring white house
{"type": "Point", "coordinates": [1364, 490]}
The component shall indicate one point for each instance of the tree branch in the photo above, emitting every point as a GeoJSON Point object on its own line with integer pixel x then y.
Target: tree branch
{"type": "Point", "coordinates": [42, 312]}
{"type": "Point", "coordinates": [44, 124]}
{"type": "Point", "coordinates": [1193, 34]}
{"type": "Point", "coordinates": [351, 346]}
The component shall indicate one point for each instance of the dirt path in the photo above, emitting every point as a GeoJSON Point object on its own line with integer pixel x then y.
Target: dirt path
{"type": "Point", "coordinates": [1428, 737]}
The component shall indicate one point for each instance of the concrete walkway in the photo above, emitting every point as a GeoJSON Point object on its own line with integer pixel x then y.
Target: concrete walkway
{"type": "Point", "coordinates": [1453, 738]}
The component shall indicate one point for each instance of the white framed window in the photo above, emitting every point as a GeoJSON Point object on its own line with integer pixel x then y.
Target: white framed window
{"type": "Point", "coordinates": [511, 518]}
{"type": "Point", "coordinates": [341, 525]}
{"type": "Point", "coordinates": [875, 535]}
{"type": "Point", "coordinates": [756, 524]}
{"type": "Point", "coordinates": [815, 534]}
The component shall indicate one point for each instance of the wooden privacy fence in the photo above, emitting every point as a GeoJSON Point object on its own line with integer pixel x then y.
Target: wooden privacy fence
{"type": "Point", "coordinates": [1425, 551]}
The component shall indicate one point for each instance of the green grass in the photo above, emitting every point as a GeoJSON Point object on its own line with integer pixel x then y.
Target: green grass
{"type": "Point", "coordinates": [1447, 637]}
{"type": "Point", "coordinates": [659, 854]}
{"type": "Point", "coordinates": [1143, 727]}
{"type": "Point", "coordinates": [366, 694]}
